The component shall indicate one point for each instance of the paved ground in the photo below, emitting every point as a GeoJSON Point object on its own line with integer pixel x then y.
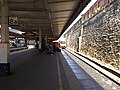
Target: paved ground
{"type": "Point", "coordinates": [89, 78]}
{"type": "Point", "coordinates": [32, 70]}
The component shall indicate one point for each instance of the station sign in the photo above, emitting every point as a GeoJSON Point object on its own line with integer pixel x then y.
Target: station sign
{"type": "Point", "coordinates": [13, 20]}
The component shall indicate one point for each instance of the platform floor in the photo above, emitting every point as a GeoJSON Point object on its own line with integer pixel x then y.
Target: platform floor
{"type": "Point", "coordinates": [32, 70]}
{"type": "Point", "coordinates": [89, 77]}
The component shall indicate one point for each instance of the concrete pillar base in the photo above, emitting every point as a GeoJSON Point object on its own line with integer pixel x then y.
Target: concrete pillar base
{"type": "Point", "coordinates": [4, 68]}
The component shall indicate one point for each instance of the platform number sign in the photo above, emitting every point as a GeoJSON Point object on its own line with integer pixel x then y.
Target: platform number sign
{"type": "Point", "coordinates": [13, 21]}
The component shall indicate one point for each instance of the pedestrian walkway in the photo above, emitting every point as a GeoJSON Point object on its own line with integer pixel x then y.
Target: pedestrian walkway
{"type": "Point", "coordinates": [89, 78]}
{"type": "Point", "coordinates": [32, 70]}
{"type": "Point", "coordinates": [86, 81]}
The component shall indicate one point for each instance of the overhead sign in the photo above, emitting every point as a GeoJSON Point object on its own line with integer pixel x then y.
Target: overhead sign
{"type": "Point", "coordinates": [13, 21]}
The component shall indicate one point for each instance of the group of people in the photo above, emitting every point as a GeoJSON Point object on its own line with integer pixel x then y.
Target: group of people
{"type": "Point", "coordinates": [51, 47]}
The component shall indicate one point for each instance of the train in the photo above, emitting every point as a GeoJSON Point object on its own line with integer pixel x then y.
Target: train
{"type": "Point", "coordinates": [63, 43]}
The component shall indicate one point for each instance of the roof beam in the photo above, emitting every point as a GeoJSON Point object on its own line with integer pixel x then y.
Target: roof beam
{"type": "Point", "coordinates": [21, 1]}
{"type": "Point", "coordinates": [58, 17]}
{"type": "Point", "coordinates": [31, 17]}
{"type": "Point", "coordinates": [62, 1]}
{"type": "Point", "coordinates": [62, 10]}
{"type": "Point", "coordinates": [25, 22]}
{"type": "Point", "coordinates": [58, 21]}
{"type": "Point", "coordinates": [29, 10]}
{"type": "Point", "coordinates": [28, 17]}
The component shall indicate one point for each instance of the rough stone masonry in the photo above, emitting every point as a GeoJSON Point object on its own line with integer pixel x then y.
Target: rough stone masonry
{"type": "Point", "coordinates": [101, 36]}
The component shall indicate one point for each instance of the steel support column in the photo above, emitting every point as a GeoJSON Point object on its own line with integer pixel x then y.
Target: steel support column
{"type": "Point", "coordinates": [40, 38]}
{"type": "Point", "coordinates": [46, 40]}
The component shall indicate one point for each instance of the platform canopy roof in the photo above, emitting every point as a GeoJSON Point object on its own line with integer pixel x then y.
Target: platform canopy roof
{"type": "Point", "coordinates": [51, 16]}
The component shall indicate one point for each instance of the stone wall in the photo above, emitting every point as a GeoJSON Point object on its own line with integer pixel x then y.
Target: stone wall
{"type": "Point", "coordinates": [101, 36]}
{"type": "Point", "coordinates": [72, 39]}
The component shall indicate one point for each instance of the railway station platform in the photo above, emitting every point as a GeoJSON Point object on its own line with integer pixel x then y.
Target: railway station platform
{"type": "Point", "coordinates": [91, 30]}
{"type": "Point", "coordinates": [32, 70]}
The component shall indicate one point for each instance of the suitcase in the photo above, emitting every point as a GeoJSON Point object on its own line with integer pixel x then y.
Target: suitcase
{"type": "Point", "coordinates": [59, 50]}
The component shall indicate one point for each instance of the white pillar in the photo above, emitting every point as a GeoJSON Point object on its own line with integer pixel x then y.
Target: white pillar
{"type": "Point", "coordinates": [39, 38]}
{"type": "Point", "coordinates": [80, 38]}
{"type": "Point", "coordinates": [4, 44]}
